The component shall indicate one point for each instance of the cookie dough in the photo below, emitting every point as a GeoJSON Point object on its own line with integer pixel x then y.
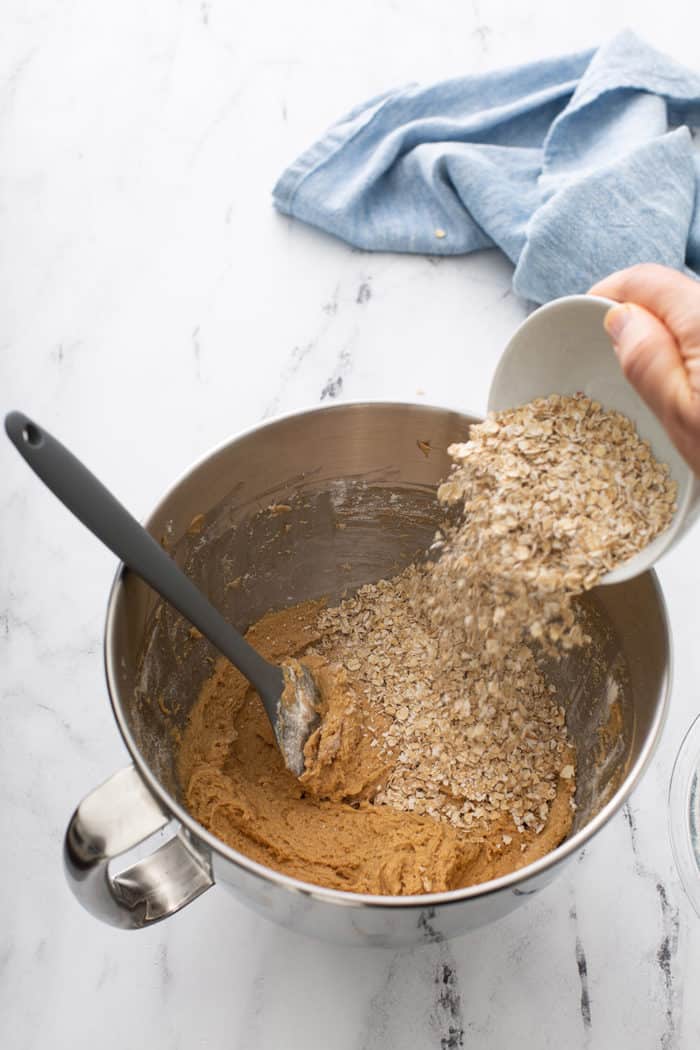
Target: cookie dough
{"type": "Point", "coordinates": [324, 828]}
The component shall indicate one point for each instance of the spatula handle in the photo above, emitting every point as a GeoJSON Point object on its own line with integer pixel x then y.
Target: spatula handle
{"type": "Point", "coordinates": [93, 504]}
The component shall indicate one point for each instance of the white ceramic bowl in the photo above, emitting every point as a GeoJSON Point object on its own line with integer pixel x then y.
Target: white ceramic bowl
{"type": "Point", "coordinates": [563, 348]}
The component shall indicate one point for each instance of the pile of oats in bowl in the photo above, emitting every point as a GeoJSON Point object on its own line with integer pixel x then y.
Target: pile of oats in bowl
{"type": "Point", "coordinates": [544, 500]}
{"type": "Point", "coordinates": [473, 741]}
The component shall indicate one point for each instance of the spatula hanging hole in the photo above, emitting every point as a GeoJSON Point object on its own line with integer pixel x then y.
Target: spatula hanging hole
{"type": "Point", "coordinates": [32, 435]}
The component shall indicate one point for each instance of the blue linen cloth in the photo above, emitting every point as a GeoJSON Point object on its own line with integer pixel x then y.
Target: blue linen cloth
{"type": "Point", "coordinates": [574, 166]}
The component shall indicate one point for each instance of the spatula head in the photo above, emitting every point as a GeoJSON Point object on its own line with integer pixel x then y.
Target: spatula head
{"type": "Point", "coordinates": [298, 714]}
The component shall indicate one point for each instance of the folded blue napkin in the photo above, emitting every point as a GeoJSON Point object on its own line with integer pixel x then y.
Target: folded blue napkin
{"type": "Point", "coordinates": [574, 166]}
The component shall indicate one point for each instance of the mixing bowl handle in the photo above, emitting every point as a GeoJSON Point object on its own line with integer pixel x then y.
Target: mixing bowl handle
{"type": "Point", "coordinates": [112, 819]}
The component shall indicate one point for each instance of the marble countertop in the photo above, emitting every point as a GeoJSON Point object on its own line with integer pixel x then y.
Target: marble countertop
{"type": "Point", "coordinates": [153, 303]}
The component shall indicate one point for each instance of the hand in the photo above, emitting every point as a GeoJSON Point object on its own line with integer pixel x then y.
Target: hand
{"type": "Point", "coordinates": [656, 334]}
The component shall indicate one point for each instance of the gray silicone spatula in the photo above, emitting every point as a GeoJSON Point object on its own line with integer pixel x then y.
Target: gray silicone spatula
{"type": "Point", "coordinates": [294, 719]}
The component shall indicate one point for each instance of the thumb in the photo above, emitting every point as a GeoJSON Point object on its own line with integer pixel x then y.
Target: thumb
{"type": "Point", "coordinates": [650, 358]}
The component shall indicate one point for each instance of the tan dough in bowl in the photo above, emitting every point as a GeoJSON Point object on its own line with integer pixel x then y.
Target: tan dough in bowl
{"type": "Point", "coordinates": [325, 829]}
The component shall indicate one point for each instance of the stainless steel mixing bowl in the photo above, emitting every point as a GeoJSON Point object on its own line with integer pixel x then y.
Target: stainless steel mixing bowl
{"type": "Point", "coordinates": [255, 523]}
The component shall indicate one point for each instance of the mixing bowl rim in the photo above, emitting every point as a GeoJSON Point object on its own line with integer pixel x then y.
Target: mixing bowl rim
{"type": "Point", "coordinates": [347, 898]}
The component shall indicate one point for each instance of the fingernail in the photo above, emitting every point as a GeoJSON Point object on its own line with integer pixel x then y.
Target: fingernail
{"type": "Point", "coordinates": [616, 319]}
